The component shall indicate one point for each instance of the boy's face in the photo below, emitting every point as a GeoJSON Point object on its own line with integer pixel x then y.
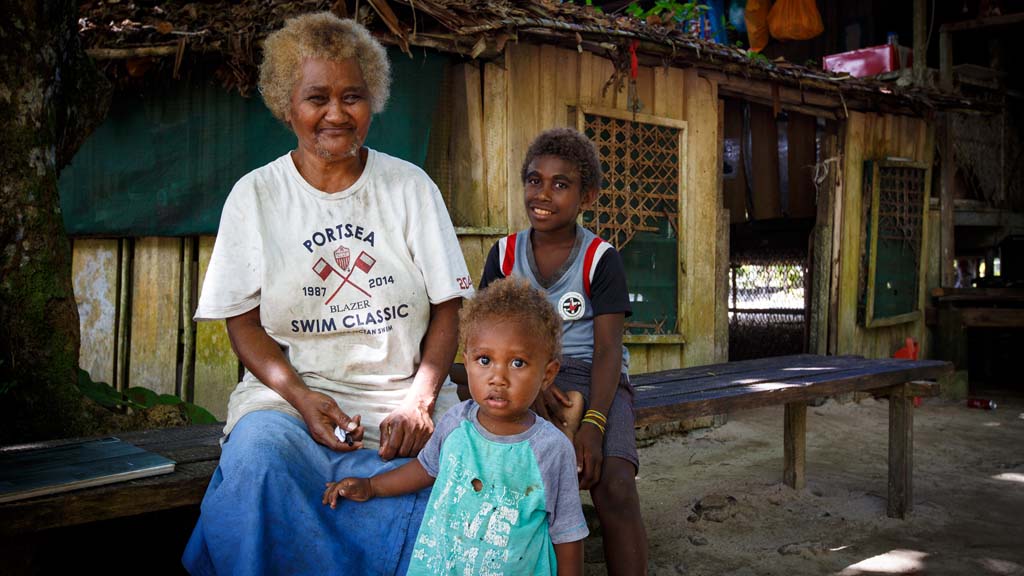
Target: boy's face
{"type": "Point", "coordinates": [507, 367]}
{"type": "Point", "coordinates": [553, 193]}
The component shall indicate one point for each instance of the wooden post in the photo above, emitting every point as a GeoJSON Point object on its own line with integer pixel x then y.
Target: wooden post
{"type": "Point", "coordinates": [901, 453]}
{"type": "Point", "coordinates": [722, 288]}
{"type": "Point", "coordinates": [946, 210]}
{"type": "Point", "coordinates": [794, 444]}
{"type": "Point", "coordinates": [946, 59]}
{"type": "Point", "coordinates": [920, 41]}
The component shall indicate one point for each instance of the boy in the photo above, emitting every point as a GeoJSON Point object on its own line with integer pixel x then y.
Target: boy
{"type": "Point", "coordinates": [584, 278]}
{"type": "Point", "coordinates": [506, 499]}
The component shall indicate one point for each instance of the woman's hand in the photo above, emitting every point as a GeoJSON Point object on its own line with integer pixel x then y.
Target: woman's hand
{"type": "Point", "coordinates": [356, 489]}
{"type": "Point", "coordinates": [589, 444]}
{"type": "Point", "coordinates": [321, 414]}
{"type": "Point", "coordinates": [405, 431]}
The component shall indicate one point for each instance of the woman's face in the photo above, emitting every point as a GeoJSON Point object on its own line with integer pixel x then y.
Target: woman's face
{"type": "Point", "coordinates": [330, 108]}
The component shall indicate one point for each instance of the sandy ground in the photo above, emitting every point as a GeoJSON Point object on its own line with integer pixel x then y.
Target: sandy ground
{"type": "Point", "coordinates": [714, 502]}
{"type": "Point", "coordinates": [968, 515]}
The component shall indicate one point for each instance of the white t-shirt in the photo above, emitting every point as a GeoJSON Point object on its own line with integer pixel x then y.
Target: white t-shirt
{"type": "Point", "coordinates": [344, 281]}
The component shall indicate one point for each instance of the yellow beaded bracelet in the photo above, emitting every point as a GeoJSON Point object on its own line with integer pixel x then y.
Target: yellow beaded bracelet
{"type": "Point", "coordinates": [595, 423]}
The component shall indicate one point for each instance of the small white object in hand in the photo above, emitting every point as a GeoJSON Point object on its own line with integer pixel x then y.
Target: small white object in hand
{"type": "Point", "coordinates": [340, 433]}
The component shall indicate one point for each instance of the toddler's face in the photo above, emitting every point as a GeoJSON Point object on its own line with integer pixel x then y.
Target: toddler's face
{"type": "Point", "coordinates": [507, 366]}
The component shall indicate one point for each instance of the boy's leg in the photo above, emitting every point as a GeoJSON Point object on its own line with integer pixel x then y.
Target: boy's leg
{"type": "Point", "coordinates": [618, 508]}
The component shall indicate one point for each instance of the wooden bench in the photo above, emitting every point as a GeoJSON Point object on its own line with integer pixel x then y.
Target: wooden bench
{"type": "Point", "coordinates": [196, 451]}
{"type": "Point", "coordinates": [661, 396]}
{"type": "Point", "coordinates": [674, 395]}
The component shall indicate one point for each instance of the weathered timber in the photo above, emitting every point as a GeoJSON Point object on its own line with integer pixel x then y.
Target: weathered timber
{"type": "Point", "coordinates": [992, 317]}
{"type": "Point", "coordinates": [195, 450]}
{"type": "Point", "coordinates": [901, 455]}
{"type": "Point", "coordinates": [792, 381]}
{"type": "Point", "coordinates": [708, 390]}
{"type": "Point", "coordinates": [794, 446]}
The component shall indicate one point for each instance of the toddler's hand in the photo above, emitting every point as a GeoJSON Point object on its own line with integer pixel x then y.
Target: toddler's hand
{"type": "Point", "coordinates": [356, 489]}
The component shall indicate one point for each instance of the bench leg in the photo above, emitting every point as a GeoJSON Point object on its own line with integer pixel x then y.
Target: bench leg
{"type": "Point", "coordinates": [901, 453]}
{"type": "Point", "coordinates": [794, 445]}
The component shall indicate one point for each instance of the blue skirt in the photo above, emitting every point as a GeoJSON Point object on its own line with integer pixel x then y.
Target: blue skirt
{"type": "Point", "coordinates": [262, 512]}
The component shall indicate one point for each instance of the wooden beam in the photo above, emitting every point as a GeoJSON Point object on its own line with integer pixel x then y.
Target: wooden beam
{"type": "Point", "coordinates": [795, 446]}
{"type": "Point", "coordinates": [946, 60]}
{"type": "Point", "coordinates": [921, 388]}
{"type": "Point", "coordinates": [987, 22]}
{"type": "Point", "coordinates": [992, 317]}
{"type": "Point", "coordinates": [901, 454]}
{"type": "Point", "coordinates": [946, 214]}
{"type": "Point", "coordinates": [920, 41]}
{"type": "Point", "coordinates": [994, 295]}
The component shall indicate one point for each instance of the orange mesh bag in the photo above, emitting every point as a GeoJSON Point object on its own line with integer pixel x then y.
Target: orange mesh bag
{"type": "Point", "coordinates": [756, 17]}
{"type": "Point", "coordinates": [795, 20]}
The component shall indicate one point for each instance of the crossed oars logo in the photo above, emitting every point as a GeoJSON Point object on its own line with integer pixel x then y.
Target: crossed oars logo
{"type": "Point", "coordinates": [323, 269]}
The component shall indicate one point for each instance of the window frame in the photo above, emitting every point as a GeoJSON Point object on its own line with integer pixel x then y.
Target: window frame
{"type": "Point", "coordinates": [869, 319]}
{"type": "Point", "coordinates": [578, 114]}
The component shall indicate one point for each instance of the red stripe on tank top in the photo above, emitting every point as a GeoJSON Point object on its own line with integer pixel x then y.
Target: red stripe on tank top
{"type": "Point", "coordinates": [510, 255]}
{"type": "Point", "coordinates": [588, 260]}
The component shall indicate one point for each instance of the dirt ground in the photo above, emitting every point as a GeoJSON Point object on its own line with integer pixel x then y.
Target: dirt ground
{"type": "Point", "coordinates": [968, 515]}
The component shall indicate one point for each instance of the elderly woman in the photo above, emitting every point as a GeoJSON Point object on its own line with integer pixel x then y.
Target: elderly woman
{"type": "Point", "coordinates": [339, 274]}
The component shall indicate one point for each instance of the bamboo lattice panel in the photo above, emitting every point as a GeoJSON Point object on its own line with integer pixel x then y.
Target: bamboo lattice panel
{"type": "Point", "coordinates": [900, 200]}
{"type": "Point", "coordinates": [641, 177]}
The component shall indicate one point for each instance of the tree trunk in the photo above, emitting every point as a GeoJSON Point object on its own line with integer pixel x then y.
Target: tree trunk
{"type": "Point", "coordinates": [51, 98]}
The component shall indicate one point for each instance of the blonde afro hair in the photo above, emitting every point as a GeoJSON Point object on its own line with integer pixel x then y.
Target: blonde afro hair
{"type": "Point", "coordinates": [320, 35]}
{"type": "Point", "coordinates": [513, 299]}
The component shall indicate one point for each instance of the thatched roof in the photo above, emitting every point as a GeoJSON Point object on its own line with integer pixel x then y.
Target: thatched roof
{"type": "Point", "coordinates": [233, 31]}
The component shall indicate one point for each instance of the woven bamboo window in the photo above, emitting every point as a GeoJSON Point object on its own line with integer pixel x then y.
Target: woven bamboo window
{"type": "Point", "coordinates": [895, 200]}
{"type": "Point", "coordinates": [638, 209]}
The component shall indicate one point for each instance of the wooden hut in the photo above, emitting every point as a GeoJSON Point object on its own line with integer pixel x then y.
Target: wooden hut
{"type": "Point", "coordinates": [670, 114]}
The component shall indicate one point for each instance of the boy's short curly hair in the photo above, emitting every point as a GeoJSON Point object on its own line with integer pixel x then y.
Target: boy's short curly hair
{"type": "Point", "coordinates": [320, 35]}
{"type": "Point", "coordinates": [513, 299]}
{"type": "Point", "coordinates": [570, 145]}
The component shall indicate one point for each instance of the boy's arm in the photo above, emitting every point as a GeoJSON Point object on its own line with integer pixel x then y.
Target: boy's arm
{"type": "Point", "coordinates": [570, 558]}
{"type": "Point", "coordinates": [409, 477]}
{"type": "Point", "coordinates": [604, 379]}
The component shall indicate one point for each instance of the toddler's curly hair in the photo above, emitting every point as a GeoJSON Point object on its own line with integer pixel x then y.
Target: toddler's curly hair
{"type": "Point", "coordinates": [512, 299]}
{"type": "Point", "coordinates": [570, 145]}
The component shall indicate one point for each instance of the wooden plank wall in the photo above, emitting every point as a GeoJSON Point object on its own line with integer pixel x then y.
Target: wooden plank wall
{"type": "Point", "coordinates": [134, 297]}
{"type": "Point", "coordinates": [869, 136]}
{"type": "Point", "coordinates": [533, 90]}
{"type": "Point", "coordinates": [94, 269]}
{"type": "Point", "coordinates": [131, 293]}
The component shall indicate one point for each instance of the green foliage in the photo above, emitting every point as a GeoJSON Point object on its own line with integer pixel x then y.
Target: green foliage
{"type": "Point", "coordinates": [138, 398]}
{"type": "Point", "coordinates": [668, 10]}
{"type": "Point", "coordinates": [758, 57]}
{"type": "Point", "coordinates": [198, 414]}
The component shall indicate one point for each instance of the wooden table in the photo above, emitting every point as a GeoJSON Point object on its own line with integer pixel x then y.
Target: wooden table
{"type": "Point", "coordinates": [794, 380]}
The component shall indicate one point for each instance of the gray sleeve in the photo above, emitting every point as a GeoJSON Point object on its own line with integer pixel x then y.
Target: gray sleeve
{"type": "Point", "coordinates": [430, 456]}
{"type": "Point", "coordinates": [557, 462]}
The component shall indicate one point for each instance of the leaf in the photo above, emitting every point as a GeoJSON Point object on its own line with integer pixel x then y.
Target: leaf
{"type": "Point", "coordinates": [198, 414]}
{"type": "Point", "coordinates": [164, 27]}
{"type": "Point", "coordinates": [143, 396]}
{"type": "Point", "coordinates": [99, 392]}
{"type": "Point", "coordinates": [168, 399]}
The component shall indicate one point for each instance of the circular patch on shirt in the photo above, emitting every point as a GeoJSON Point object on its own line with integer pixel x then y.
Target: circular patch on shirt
{"type": "Point", "coordinates": [571, 306]}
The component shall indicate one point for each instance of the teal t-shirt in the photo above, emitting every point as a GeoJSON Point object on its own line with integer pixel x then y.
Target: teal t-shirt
{"type": "Point", "coordinates": [499, 503]}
